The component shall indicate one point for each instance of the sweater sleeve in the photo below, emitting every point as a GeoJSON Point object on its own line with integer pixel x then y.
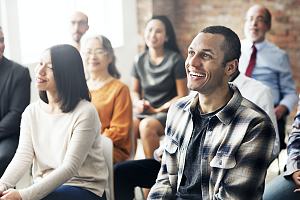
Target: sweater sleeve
{"type": "Point", "coordinates": [120, 124]}
{"type": "Point", "coordinates": [23, 156]}
{"type": "Point", "coordinates": [85, 131]}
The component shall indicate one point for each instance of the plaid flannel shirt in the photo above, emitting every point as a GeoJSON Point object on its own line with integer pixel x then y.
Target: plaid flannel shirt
{"type": "Point", "coordinates": [293, 162]}
{"type": "Point", "coordinates": [236, 153]}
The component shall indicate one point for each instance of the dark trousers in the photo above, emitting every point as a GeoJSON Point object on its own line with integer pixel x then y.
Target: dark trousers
{"type": "Point", "coordinates": [129, 174]}
{"type": "Point", "coordinates": [281, 130]}
{"type": "Point", "coordinates": [66, 192]}
{"type": "Point", "coordinates": [8, 148]}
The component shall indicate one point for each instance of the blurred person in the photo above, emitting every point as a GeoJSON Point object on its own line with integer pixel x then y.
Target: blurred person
{"type": "Point", "coordinates": [158, 80]}
{"type": "Point", "coordinates": [14, 97]}
{"type": "Point", "coordinates": [287, 185]}
{"type": "Point", "coordinates": [79, 26]}
{"type": "Point", "coordinates": [59, 136]}
{"type": "Point", "coordinates": [269, 64]}
{"type": "Point", "coordinates": [110, 96]}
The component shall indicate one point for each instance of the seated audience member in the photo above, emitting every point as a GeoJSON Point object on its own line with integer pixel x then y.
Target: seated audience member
{"type": "Point", "coordinates": [59, 136]}
{"type": "Point", "coordinates": [14, 97]}
{"type": "Point", "coordinates": [218, 144]}
{"type": "Point", "coordinates": [110, 96]}
{"type": "Point", "coordinates": [267, 63]}
{"type": "Point", "coordinates": [287, 186]}
{"type": "Point", "coordinates": [78, 26]}
{"type": "Point", "coordinates": [143, 173]}
{"type": "Point", "coordinates": [158, 80]}
{"type": "Point", "coordinates": [261, 95]}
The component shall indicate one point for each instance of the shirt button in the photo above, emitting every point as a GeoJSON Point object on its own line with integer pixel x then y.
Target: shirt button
{"type": "Point", "coordinates": [220, 162]}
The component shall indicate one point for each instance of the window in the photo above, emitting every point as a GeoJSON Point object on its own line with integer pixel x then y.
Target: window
{"type": "Point", "coordinates": [43, 23]}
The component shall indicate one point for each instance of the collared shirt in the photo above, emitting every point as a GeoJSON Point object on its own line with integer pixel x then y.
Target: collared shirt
{"type": "Point", "coordinates": [261, 95]}
{"type": "Point", "coordinates": [293, 162]}
{"type": "Point", "coordinates": [237, 150]}
{"type": "Point", "coordinates": [273, 69]}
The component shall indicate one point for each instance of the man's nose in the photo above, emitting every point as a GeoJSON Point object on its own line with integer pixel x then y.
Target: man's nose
{"type": "Point", "coordinates": [195, 61]}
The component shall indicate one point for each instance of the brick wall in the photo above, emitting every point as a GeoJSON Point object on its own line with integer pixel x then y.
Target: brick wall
{"type": "Point", "coordinates": [190, 16]}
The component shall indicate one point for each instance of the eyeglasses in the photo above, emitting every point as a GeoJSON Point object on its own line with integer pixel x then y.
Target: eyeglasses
{"type": "Point", "coordinates": [97, 52]}
{"type": "Point", "coordinates": [258, 19]}
{"type": "Point", "coordinates": [80, 23]}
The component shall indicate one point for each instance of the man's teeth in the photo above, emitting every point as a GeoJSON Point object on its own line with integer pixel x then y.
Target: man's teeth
{"type": "Point", "coordinates": [197, 74]}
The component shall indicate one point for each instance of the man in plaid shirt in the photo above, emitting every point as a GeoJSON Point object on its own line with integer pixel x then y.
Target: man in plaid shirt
{"type": "Point", "coordinates": [218, 145]}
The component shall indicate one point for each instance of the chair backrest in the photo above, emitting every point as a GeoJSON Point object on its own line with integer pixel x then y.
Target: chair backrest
{"type": "Point", "coordinates": [133, 145]}
{"type": "Point", "coordinates": [108, 156]}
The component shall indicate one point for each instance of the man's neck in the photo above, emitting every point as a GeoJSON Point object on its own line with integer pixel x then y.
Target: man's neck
{"type": "Point", "coordinates": [234, 76]}
{"type": "Point", "coordinates": [212, 102]}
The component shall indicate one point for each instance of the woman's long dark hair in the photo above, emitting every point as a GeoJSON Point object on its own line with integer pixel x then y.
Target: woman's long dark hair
{"type": "Point", "coordinates": [171, 43]}
{"type": "Point", "coordinates": [69, 77]}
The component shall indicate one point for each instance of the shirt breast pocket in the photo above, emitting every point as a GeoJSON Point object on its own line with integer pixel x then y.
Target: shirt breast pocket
{"type": "Point", "coordinates": [223, 162]}
{"type": "Point", "coordinates": [171, 152]}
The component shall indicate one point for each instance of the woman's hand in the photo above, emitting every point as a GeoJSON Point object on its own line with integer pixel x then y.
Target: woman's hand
{"type": "Point", "coordinates": [142, 106]}
{"type": "Point", "coordinates": [11, 194]}
{"type": "Point", "coordinates": [296, 179]}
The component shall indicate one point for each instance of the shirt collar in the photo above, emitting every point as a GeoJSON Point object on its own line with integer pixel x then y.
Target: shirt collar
{"type": "Point", "coordinates": [226, 115]}
{"type": "Point", "coordinates": [258, 46]}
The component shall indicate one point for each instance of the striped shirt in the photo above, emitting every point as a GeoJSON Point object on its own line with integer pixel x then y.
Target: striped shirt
{"type": "Point", "coordinates": [236, 151]}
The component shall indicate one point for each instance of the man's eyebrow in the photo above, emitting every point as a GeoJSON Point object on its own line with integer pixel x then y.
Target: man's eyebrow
{"type": "Point", "coordinates": [202, 50]}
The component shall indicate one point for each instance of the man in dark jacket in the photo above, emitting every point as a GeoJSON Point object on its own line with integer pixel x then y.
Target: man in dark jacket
{"type": "Point", "coordinates": [14, 97]}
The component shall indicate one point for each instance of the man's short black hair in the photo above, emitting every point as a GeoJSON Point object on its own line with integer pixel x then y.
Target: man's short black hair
{"type": "Point", "coordinates": [231, 44]}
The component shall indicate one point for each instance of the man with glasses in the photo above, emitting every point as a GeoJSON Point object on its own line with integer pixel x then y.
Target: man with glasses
{"type": "Point", "coordinates": [14, 97]}
{"type": "Point", "coordinates": [79, 25]}
{"type": "Point", "coordinates": [269, 64]}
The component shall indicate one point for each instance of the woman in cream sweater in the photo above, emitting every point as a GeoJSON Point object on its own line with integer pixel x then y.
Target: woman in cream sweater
{"type": "Point", "coordinates": [59, 136]}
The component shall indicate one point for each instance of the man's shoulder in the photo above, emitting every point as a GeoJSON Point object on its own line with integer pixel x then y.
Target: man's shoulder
{"type": "Point", "coordinates": [140, 57]}
{"type": "Point", "coordinates": [183, 102]}
{"type": "Point", "coordinates": [250, 83]}
{"type": "Point", "coordinates": [251, 111]}
{"type": "Point", "coordinates": [274, 48]}
{"type": "Point", "coordinates": [15, 67]}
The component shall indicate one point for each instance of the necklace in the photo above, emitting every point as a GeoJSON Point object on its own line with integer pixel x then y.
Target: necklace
{"type": "Point", "coordinates": [97, 84]}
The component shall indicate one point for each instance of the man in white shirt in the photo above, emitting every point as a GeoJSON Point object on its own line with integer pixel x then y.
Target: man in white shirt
{"type": "Point", "coordinates": [271, 65]}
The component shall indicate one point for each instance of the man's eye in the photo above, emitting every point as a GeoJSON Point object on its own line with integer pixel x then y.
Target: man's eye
{"type": "Point", "coordinates": [191, 53]}
{"type": "Point", "coordinates": [206, 56]}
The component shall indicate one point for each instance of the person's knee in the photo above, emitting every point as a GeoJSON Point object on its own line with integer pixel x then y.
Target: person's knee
{"type": "Point", "coordinates": [149, 127]}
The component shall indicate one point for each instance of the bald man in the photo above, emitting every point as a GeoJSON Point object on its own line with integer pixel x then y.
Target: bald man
{"type": "Point", "coordinates": [79, 25]}
{"type": "Point", "coordinates": [270, 65]}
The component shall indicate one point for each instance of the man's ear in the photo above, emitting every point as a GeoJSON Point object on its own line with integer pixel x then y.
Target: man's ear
{"type": "Point", "coordinates": [231, 67]}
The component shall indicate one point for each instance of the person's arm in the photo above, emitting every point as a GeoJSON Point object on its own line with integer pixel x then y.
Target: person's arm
{"type": "Point", "coordinates": [162, 188]}
{"type": "Point", "coordinates": [23, 157]}
{"type": "Point", "coordinates": [19, 99]}
{"type": "Point", "coordinates": [121, 122]}
{"type": "Point", "coordinates": [293, 162]}
{"type": "Point", "coordinates": [181, 92]}
{"type": "Point", "coordinates": [86, 131]}
{"type": "Point", "coordinates": [287, 89]}
{"type": "Point", "coordinates": [244, 178]}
